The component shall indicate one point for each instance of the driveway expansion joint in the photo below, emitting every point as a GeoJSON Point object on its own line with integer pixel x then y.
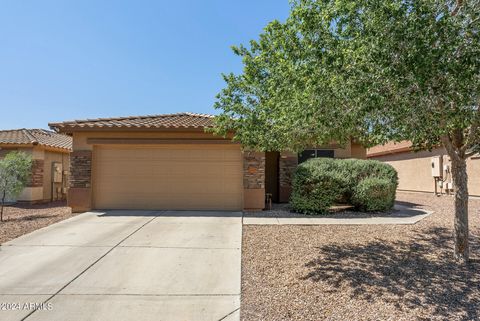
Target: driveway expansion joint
{"type": "Point", "coordinates": [54, 245]}
{"type": "Point", "coordinates": [229, 314]}
{"type": "Point", "coordinates": [90, 266]}
{"type": "Point", "coordinates": [130, 265]}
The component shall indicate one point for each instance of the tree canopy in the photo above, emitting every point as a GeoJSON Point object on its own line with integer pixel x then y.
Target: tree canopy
{"type": "Point", "coordinates": [15, 169]}
{"type": "Point", "coordinates": [373, 70]}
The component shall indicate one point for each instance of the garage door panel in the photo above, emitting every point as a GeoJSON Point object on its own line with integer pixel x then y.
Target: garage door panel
{"type": "Point", "coordinates": [195, 187]}
{"type": "Point", "coordinates": [168, 177]}
{"type": "Point", "coordinates": [174, 201]}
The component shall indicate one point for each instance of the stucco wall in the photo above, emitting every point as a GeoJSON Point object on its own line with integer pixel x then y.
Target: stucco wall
{"type": "Point", "coordinates": [80, 138]}
{"type": "Point", "coordinates": [53, 157]}
{"type": "Point", "coordinates": [414, 170]}
{"type": "Point", "coordinates": [31, 194]}
{"type": "Point", "coordinates": [358, 151]}
{"type": "Point", "coordinates": [345, 152]}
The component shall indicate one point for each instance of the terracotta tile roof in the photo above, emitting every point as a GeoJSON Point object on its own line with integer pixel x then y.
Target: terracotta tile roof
{"type": "Point", "coordinates": [40, 137]}
{"type": "Point", "coordinates": [179, 120]}
{"type": "Point", "coordinates": [389, 148]}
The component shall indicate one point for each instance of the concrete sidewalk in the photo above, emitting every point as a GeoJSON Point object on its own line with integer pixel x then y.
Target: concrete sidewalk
{"type": "Point", "coordinates": [401, 215]}
{"type": "Point", "coordinates": [126, 265]}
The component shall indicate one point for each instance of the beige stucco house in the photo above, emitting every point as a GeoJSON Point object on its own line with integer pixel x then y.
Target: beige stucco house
{"type": "Point", "coordinates": [415, 168]}
{"type": "Point", "coordinates": [170, 162]}
{"type": "Point", "coordinates": [50, 152]}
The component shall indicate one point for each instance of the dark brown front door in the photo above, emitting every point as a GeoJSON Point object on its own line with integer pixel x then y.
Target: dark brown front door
{"type": "Point", "coordinates": [271, 174]}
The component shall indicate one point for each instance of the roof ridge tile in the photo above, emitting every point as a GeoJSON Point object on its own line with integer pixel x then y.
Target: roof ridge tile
{"type": "Point", "coordinates": [173, 120]}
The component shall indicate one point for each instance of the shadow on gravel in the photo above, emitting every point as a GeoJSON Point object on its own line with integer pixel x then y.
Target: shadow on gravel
{"type": "Point", "coordinates": [407, 204]}
{"type": "Point", "coordinates": [417, 274]}
{"type": "Point", "coordinates": [29, 218]}
{"type": "Point", "coordinates": [39, 206]}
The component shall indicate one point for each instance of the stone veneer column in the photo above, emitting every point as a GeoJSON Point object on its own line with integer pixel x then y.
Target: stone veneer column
{"type": "Point", "coordinates": [254, 180]}
{"type": "Point", "coordinates": [80, 193]}
{"type": "Point", "coordinates": [36, 177]}
{"type": "Point", "coordinates": [33, 191]}
{"type": "Point", "coordinates": [287, 165]}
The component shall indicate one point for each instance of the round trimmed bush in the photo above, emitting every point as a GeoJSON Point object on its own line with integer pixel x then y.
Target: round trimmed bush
{"type": "Point", "coordinates": [316, 186]}
{"type": "Point", "coordinates": [374, 194]}
{"type": "Point", "coordinates": [356, 170]}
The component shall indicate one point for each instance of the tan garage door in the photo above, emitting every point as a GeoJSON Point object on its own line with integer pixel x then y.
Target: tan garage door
{"type": "Point", "coordinates": [178, 177]}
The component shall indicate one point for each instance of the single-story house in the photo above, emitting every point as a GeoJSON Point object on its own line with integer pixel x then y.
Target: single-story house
{"type": "Point", "coordinates": [50, 152]}
{"type": "Point", "coordinates": [170, 162]}
{"type": "Point", "coordinates": [424, 171]}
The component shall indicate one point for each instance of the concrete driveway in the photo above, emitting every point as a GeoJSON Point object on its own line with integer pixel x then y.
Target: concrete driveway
{"type": "Point", "coordinates": [125, 265]}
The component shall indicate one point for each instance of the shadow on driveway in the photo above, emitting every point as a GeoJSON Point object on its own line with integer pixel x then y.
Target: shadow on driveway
{"type": "Point", "coordinates": [167, 213]}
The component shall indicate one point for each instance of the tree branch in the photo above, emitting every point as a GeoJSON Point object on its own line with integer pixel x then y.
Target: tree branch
{"type": "Point", "coordinates": [472, 135]}
{"type": "Point", "coordinates": [455, 10]}
{"type": "Point", "coordinates": [448, 144]}
{"type": "Point", "coordinates": [473, 131]}
{"type": "Point", "coordinates": [470, 154]}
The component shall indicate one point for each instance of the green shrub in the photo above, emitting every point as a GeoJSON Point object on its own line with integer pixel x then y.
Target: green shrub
{"type": "Point", "coordinates": [321, 182]}
{"type": "Point", "coordinates": [316, 186]}
{"type": "Point", "coordinates": [374, 194]}
{"type": "Point", "coordinates": [355, 170]}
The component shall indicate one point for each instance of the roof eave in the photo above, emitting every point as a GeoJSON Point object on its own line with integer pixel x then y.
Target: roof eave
{"type": "Point", "coordinates": [389, 152]}
{"type": "Point", "coordinates": [30, 145]}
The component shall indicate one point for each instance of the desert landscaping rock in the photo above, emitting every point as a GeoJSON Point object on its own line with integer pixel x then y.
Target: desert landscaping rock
{"type": "Point", "coordinates": [23, 219]}
{"type": "Point", "coordinates": [400, 215]}
{"type": "Point", "coordinates": [362, 272]}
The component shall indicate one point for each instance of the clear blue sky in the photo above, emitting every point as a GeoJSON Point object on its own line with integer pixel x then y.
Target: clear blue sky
{"type": "Point", "coordinates": [62, 60]}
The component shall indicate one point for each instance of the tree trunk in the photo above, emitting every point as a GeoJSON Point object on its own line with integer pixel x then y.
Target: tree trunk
{"type": "Point", "coordinates": [460, 180]}
{"type": "Point", "coordinates": [3, 203]}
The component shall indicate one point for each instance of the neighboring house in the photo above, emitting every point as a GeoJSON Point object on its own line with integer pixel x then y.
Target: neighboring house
{"type": "Point", "coordinates": [415, 168]}
{"type": "Point", "coordinates": [170, 162]}
{"type": "Point", "coordinates": [50, 152]}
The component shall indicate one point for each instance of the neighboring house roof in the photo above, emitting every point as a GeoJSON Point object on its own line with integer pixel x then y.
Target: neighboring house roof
{"type": "Point", "coordinates": [178, 120]}
{"type": "Point", "coordinates": [389, 148]}
{"type": "Point", "coordinates": [34, 137]}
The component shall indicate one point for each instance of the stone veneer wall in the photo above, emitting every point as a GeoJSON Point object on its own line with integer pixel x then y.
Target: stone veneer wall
{"type": "Point", "coordinates": [253, 170]}
{"type": "Point", "coordinates": [253, 180]}
{"type": "Point", "coordinates": [36, 177]}
{"type": "Point", "coordinates": [80, 169]}
{"type": "Point", "coordinates": [287, 165]}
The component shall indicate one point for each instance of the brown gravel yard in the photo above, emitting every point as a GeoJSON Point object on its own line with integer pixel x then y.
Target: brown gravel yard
{"type": "Point", "coordinates": [362, 272]}
{"type": "Point", "coordinates": [21, 219]}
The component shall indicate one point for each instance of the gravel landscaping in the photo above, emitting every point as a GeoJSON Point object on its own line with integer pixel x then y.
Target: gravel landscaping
{"type": "Point", "coordinates": [336, 211]}
{"type": "Point", "coordinates": [21, 219]}
{"type": "Point", "coordinates": [362, 272]}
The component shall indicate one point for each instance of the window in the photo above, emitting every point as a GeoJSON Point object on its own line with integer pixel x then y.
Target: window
{"type": "Point", "coordinates": [314, 153]}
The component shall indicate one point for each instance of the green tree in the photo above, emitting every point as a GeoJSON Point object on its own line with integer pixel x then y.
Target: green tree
{"type": "Point", "coordinates": [374, 70]}
{"type": "Point", "coordinates": [15, 170]}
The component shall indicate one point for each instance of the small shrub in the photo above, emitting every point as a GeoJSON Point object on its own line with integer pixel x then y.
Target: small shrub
{"type": "Point", "coordinates": [374, 194]}
{"type": "Point", "coordinates": [316, 186]}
